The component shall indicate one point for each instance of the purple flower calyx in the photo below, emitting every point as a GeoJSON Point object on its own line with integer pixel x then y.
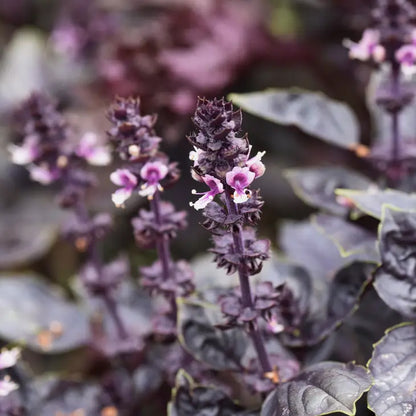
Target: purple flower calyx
{"type": "Point", "coordinates": [216, 187]}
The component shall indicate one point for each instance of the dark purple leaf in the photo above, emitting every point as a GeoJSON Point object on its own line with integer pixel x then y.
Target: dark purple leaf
{"type": "Point", "coordinates": [396, 277]}
{"type": "Point", "coordinates": [393, 368]}
{"type": "Point", "coordinates": [316, 186]}
{"type": "Point", "coordinates": [371, 202]}
{"type": "Point", "coordinates": [348, 237]}
{"type": "Point", "coordinates": [330, 305]}
{"type": "Point", "coordinates": [319, 390]}
{"type": "Point", "coordinates": [221, 350]}
{"type": "Point", "coordinates": [304, 245]}
{"type": "Point", "coordinates": [313, 113]}
{"type": "Point", "coordinates": [38, 314]}
{"type": "Point", "coordinates": [189, 399]}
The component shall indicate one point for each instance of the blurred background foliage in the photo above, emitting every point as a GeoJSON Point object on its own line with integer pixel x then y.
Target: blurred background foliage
{"type": "Point", "coordinates": [168, 52]}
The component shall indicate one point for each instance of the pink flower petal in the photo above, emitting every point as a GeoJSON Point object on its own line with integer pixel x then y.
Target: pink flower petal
{"type": "Point", "coordinates": [120, 196]}
{"type": "Point", "coordinates": [123, 177]}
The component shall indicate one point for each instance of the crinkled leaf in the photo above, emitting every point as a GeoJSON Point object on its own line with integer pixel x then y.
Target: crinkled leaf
{"type": "Point", "coordinates": [52, 396]}
{"type": "Point", "coordinates": [396, 277]}
{"type": "Point", "coordinates": [221, 350]}
{"type": "Point", "coordinates": [370, 202]}
{"type": "Point", "coordinates": [316, 186]}
{"type": "Point", "coordinates": [319, 390]}
{"type": "Point", "coordinates": [393, 367]}
{"type": "Point", "coordinates": [329, 305]}
{"type": "Point", "coordinates": [189, 399]}
{"type": "Point", "coordinates": [348, 237]}
{"type": "Point", "coordinates": [37, 314]}
{"type": "Point", "coordinates": [313, 113]}
{"type": "Point", "coordinates": [303, 244]}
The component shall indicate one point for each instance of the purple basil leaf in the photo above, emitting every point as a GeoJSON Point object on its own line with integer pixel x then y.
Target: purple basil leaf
{"type": "Point", "coordinates": [28, 230]}
{"type": "Point", "coordinates": [316, 186]}
{"type": "Point", "coordinates": [189, 399]}
{"type": "Point", "coordinates": [304, 245]}
{"type": "Point", "coordinates": [311, 112]}
{"type": "Point", "coordinates": [37, 314]}
{"type": "Point", "coordinates": [393, 368]}
{"type": "Point", "coordinates": [396, 277]}
{"type": "Point", "coordinates": [54, 397]}
{"type": "Point", "coordinates": [319, 390]}
{"type": "Point", "coordinates": [330, 305]}
{"type": "Point", "coordinates": [371, 202]}
{"type": "Point", "coordinates": [349, 238]}
{"type": "Point", "coordinates": [221, 350]}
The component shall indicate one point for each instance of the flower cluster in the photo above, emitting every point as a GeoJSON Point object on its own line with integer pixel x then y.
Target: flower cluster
{"type": "Point", "coordinates": [393, 37]}
{"type": "Point", "coordinates": [222, 161]}
{"type": "Point", "coordinates": [266, 298]}
{"type": "Point", "coordinates": [8, 358]}
{"type": "Point", "coordinates": [52, 153]}
{"type": "Point", "coordinates": [47, 148]}
{"type": "Point", "coordinates": [148, 171]}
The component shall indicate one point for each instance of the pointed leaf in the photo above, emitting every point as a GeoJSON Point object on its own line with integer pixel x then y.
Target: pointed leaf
{"type": "Point", "coordinates": [189, 399]}
{"type": "Point", "coordinates": [370, 202]}
{"type": "Point", "coordinates": [396, 277]}
{"type": "Point", "coordinates": [37, 314]}
{"type": "Point", "coordinates": [319, 390]}
{"type": "Point", "coordinates": [313, 113]}
{"type": "Point", "coordinates": [348, 237]}
{"type": "Point", "coordinates": [316, 186]}
{"type": "Point", "coordinates": [221, 350]}
{"type": "Point", "coordinates": [393, 367]}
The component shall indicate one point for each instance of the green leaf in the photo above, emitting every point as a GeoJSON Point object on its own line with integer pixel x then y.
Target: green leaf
{"type": "Point", "coordinates": [37, 314]}
{"type": "Point", "coordinates": [221, 350]}
{"type": "Point", "coordinates": [395, 279]}
{"type": "Point", "coordinates": [311, 112]}
{"type": "Point", "coordinates": [316, 186]}
{"type": "Point", "coordinates": [393, 368]}
{"type": "Point", "coordinates": [370, 202]}
{"type": "Point", "coordinates": [319, 390]}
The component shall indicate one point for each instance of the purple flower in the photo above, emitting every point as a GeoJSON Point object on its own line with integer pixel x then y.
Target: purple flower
{"type": "Point", "coordinates": [7, 386]}
{"type": "Point", "coordinates": [43, 174]}
{"type": "Point", "coordinates": [215, 188]}
{"type": "Point", "coordinates": [255, 164]}
{"type": "Point", "coordinates": [27, 152]}
{"type": "Point", "coordinates": [152, 173]}
{"type": "Point", "coordinates": [240, 179]}
{"type": "Point", "coordinates": [127, 181]}
{"type": "Point", "coordinates": [368, 47]}
{"type": "Point", "coordinates": [8, 358]}
{"type": "Point", "coordinates": [90, 149]}
{"type": "Point", "coordinates": [406, 56]}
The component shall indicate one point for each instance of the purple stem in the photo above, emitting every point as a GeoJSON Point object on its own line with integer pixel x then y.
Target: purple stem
{"type": "Point", "coordinates": [246, 296]}
{"type": "Point", "coordinates": [95, 259]}
{"type": "Point", "coordinates": [395, 84]}
{"type": "Point", "coordinates": [163, 246]}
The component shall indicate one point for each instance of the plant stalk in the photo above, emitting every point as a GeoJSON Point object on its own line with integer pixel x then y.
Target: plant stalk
{"type": "Point", "coordinates": [246, 296]}
{"type": "Point", "coordinates": [163, 246]}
